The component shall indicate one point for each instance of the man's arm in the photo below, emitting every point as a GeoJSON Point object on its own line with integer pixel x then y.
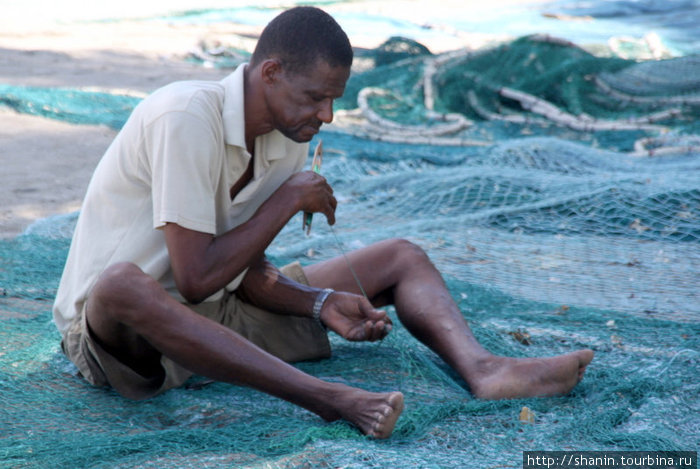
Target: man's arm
{"type": "Point", "coordinates": [203, 264]}
{"type": "Point", "coordinates": [266, 287]}
{"type": "Point", "coordinates": [350, 316]}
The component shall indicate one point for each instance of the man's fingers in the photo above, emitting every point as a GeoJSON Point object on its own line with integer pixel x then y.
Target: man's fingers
{"type": "Point", "coordinates": [330, 212]}
{"type": "Point", "coordinates": [376, 330]}
{"type": "Point", "coordinates": [374, 314]}
{"type": "Point", "coordinates": [383, 329]}
{"type": "Point", "coordinates": [364, 332]}
{"type": "Point", "coordinates": [319, 194]}
{"type": "Point", "coordinates": [369, 331]}
{"type": "Point", "coordinates": [386, 329]}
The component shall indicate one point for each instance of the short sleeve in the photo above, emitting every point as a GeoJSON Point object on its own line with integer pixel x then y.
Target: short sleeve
{"type": "Point", "coordinates": [185, 159]}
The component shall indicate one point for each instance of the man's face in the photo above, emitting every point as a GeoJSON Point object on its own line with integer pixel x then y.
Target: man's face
{"type": "Point", "coordinates": [302, 101]}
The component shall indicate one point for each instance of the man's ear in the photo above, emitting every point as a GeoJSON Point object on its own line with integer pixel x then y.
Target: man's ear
{"type": "Point", "coordinates": [271, 70]}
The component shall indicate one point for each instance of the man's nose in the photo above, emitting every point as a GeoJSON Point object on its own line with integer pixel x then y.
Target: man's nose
{"type": "Point", "coordinates": [325, 112]}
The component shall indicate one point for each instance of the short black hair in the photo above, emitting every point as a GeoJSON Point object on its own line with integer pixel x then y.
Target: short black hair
{"type": "Point", "coordinates": [299, 37]}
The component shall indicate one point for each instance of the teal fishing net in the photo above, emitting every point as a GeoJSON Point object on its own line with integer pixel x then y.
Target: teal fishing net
{"type": "Point", "coordinates": [70, 105]}
{"type": "Point", "coordinates": [551, 237]}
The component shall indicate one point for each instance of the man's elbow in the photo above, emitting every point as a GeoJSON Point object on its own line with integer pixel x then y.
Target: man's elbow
{"type": "Point", "coordinates": [193, 290]}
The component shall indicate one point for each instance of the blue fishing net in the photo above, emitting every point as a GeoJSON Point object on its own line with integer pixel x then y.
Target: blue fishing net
{"type": "Point", "coordinates": [551, 238]}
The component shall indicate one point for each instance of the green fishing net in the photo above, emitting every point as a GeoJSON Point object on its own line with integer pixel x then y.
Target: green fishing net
{"type": "Point", "coordinates": [551, 238]}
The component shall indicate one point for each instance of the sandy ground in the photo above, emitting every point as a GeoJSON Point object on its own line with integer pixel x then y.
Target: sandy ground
{"type": "Point", "coordinates": [46, 164]}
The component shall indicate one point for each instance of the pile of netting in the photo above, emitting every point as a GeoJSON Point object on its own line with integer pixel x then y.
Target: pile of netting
{"type": "Point", "coordinates": [564, 213]}
{"type": "Point", "coordinates": [534, 86]}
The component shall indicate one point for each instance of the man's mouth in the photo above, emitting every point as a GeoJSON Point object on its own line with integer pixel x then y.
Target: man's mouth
{"type": "Point", "coordinates": [314, 128]}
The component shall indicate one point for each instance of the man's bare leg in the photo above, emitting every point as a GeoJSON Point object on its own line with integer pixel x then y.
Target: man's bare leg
{"type": "Point", "coordinates": [137, 321]}
{"type": "Point", "coordinates": [398, 272]}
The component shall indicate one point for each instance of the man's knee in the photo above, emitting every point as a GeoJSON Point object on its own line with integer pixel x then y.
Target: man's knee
{"type": "Point", "coordinates": [406, 254]}
{"type": "Point", "coordinates": [122, 286]}
{"type": "Point", "coordinates": [404, 248]}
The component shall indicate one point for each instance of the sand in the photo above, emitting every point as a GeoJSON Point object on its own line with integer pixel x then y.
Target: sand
{"type": "Point", "coordinates": [47, 164]}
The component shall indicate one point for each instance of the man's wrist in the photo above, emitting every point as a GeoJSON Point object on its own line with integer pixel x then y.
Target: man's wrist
{"type": "Point", "coordinates": [318, 304]}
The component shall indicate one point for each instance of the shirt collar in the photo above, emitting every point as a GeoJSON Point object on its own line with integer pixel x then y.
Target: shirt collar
{"type": "Point", "coordinates": [273, 146]}
{"type": "Point", "coordinates": [234, 123]}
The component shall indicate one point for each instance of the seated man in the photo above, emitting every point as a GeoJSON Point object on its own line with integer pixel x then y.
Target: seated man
{"type": "Point", "coordinates": [167, 276]}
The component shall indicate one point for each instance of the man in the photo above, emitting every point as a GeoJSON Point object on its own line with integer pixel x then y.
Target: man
{"type": "Point", "coordinates": [167, 276]}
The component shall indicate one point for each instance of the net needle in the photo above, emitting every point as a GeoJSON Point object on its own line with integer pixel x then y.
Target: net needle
{"type": "Point", "coordinates": [316, 168]}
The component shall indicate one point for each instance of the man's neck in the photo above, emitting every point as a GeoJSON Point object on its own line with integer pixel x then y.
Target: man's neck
{"type": "Point", "coordinates": [257, 118]}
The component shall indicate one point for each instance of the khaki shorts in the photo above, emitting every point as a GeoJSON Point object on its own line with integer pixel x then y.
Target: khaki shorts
{"type": "Point", "coordinates": [291, 338]}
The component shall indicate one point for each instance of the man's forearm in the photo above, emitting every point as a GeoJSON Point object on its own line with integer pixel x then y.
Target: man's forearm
{"type": "Point", "coordinates": [266, 287]}
{"type": "Point", "coordinates": [203, 264]}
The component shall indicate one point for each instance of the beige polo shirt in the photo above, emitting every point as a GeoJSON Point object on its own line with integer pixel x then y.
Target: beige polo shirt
{"type": "Point", "coordinates": [175, 161]}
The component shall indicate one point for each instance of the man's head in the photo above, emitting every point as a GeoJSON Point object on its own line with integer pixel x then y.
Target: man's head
{"type": "Point", "coordinates": [299, 37]}
{"type": "Point", "coordinates": [304, 59]}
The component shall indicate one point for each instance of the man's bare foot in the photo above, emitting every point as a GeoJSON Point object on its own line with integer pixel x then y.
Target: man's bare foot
{"type": "Point", "coordinates": [508, 378]}
{"type": "Point", "coordinates": [375, 414]}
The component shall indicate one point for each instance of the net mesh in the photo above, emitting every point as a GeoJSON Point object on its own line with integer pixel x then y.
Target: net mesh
{"type": "Point", "coordinates": [551, 239]}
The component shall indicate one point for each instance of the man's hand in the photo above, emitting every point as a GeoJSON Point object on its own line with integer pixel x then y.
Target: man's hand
{"type": "Point", "coordinates": [312, 192]}
{"type": "Point", "coordinates": [353, 317]}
